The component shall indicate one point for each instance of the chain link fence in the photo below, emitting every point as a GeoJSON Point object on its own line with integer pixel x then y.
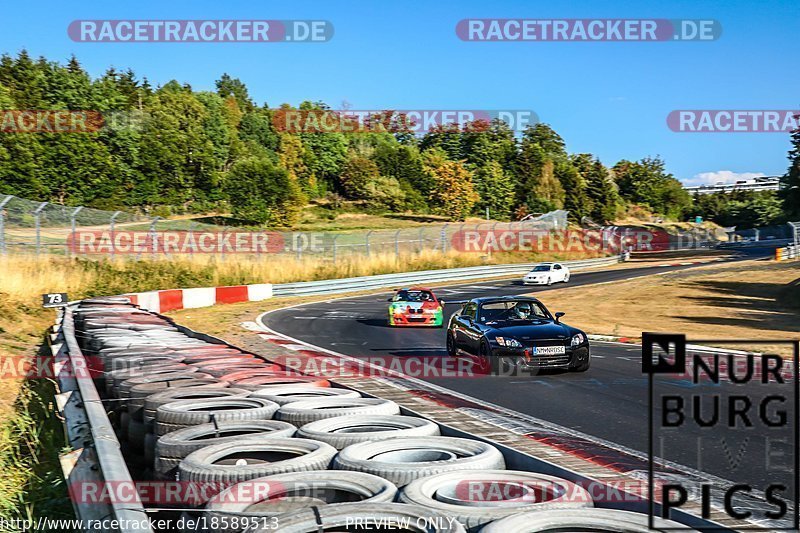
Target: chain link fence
{"type": "Point", "coordinates": [38, 228]}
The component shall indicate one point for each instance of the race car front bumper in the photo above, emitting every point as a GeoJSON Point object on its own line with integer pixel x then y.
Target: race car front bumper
{"type": "Point", "coordinates": [402, 319]}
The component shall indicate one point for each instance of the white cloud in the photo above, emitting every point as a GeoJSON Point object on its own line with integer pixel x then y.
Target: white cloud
{"type": "Point", "coordinates": [721, 176]}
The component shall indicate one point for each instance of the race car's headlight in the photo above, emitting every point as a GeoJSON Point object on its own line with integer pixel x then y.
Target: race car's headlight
{"type": "Point", "coordinates": [578, 339]}
{"type": "Point", "coordinates": [508, 342]}
{"type": "Point", "coordinates": [430, 311]}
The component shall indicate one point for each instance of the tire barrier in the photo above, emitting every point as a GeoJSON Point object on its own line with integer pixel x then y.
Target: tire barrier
{"type": "Point", "coordinates": [283, 395]}
{"type": "Point", "coordinates": [478, 497]}
{"type": "Point", "coordinates": [178, 444]}
{"type": "Point", "coordinates": [342, 431]}
{"type": "Point", "coordinates": [305, 411]}
{"type": "Point", "coordinates": [190, 409]}
{"type": "Point", "coordinates": [401, 460]}
{"type": "Point", "coordinates": [177, 415]}
{"type": "Point", "coordinates": [243, 461]}
{"type": "Point", "coordinates": [284, 493]}
{"type": "Point", "coordinates": [259, 382]}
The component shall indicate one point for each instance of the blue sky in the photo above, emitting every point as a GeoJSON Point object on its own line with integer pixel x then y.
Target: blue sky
{"type": "Point", "coordinates": [610, 99]}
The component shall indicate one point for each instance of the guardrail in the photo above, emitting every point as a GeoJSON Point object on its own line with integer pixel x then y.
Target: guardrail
{"type": "Point", "coordinates": [788, 253]}
{"type": "Point", "coordinates": [96, 456]}
{"type": "Point", "coordinates": [334, 286]}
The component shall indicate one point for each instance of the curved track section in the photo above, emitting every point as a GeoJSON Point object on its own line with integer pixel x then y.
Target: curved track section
{"type": "Point", "coordinates": [608, 403]}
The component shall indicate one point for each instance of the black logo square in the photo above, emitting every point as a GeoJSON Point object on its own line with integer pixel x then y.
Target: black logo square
{"type": "Point", "coordinates": [673, 345]}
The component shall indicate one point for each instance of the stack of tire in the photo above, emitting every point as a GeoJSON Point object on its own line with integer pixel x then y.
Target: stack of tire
{"type": "Point", "coordinates": [323, 457]}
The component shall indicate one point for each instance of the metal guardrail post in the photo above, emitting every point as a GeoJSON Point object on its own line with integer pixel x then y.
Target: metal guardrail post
{"type": "Point", "coordinates": [111, 226]}
{"type": "Point", "coordinates": [37, 221]}
{"type": "Point", "coordinates": [129, 514]}
{"type": "Point", "coordinates": [72, 223]}
{"type": "Point", "coordinates": [3, 223]}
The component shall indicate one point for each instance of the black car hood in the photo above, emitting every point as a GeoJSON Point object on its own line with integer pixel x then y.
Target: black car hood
{"type": "Point", "coordinates": [533, 330]}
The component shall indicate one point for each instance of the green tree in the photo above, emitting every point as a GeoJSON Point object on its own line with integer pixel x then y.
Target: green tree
{"type": "Point", "coordinates": [605, 202]}
{"type": "Point", "coordinates": [264, 193]}
{"type": "Point", "coordinates": [495, 187]}
{"type": "Point", "coordinates": [576, 198]}
{"type": "Point", "coordinates": [227, 86]}
{"type": "Point", "coordinates": [647, 183]}
{"type": "Point", "coordinates": [453, 193]}
{"type": "Point", "coordinates": [790, 191]}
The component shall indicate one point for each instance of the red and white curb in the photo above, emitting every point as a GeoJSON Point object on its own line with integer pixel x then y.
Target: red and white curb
{"type": "Point", "coordinates": [177, 299]}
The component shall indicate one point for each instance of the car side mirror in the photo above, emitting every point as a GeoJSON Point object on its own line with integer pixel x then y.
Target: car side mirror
{"type": "Point", "coordinates": [558, 316]}
{"type": "Point", "coordinates": [442, 303]}
{"type": "Point", "coordinates": [389, 299]}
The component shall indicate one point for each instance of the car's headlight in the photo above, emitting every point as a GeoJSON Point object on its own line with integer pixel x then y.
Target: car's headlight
{"type": "Point", "coordinates": [578, 339]}
{"type": "Point", "coordinates": [429, 311]}
{"type": "Point", "coordinates": [508, 342]}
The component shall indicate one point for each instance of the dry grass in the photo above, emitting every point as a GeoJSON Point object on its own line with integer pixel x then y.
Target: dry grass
{"type": "Point", "coordinates": [748, 300]}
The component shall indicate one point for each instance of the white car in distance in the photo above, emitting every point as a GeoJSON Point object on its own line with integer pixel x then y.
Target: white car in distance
{"type": "Point", "coordinates": [546, 274]}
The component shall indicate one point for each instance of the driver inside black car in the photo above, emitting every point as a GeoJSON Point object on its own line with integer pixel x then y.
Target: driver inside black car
{"type": "Point", "coordinates": [522, 311]}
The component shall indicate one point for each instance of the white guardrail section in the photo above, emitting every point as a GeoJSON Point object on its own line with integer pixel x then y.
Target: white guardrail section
{"type": "Point", "coordinates": [96, 457]}
{"type": "Point", "coordinates": [333, 286]}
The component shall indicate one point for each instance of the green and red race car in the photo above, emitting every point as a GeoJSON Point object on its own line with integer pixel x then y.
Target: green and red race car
{"type": "Point", "coordinates": [415, 306]}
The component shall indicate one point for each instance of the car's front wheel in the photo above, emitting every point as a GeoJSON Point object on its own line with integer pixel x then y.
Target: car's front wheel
{"type": "Point", "coordinates": [566, 278]}
{"type": "Point", "coordinates": [549, 281]}
{"type": "Point", "coordinates": [451, 345]}
{"type": "Point", "coordinates": [583, 366]}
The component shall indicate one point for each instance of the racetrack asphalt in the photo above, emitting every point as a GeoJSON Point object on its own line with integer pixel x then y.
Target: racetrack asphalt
{"type": "Point", "coordinates": [609, 401]}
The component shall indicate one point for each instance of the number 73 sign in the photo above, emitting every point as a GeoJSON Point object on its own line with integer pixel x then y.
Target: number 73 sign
{"type": "Point", "coordinates": [54, 299]}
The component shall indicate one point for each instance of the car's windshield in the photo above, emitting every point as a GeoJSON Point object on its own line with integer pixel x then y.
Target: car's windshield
{"type": "Point", "coordinates": [541, 268]}
{"type": "Point", "coordinates": [511, 310]}
{"type": "Point", "coordinates": [413, 296]}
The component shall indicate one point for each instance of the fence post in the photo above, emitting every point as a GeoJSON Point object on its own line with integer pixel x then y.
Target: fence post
{"type": "Point", "coordinates": [36, 217]}
{"type": "Point", "coordinates": [112, 223]}
{"type": "Point", "coordinates": [444, 238]}
{"type": "Point", "coordinates": [72, 224]}
{"type": "Point", "coordinates": [397, 245]}
{"type": "Point", "coordinates": [3, 223]}
{"type": "Point", "coordinates": [298, 246]}
{"type": "Point", "coordinates": [154, 236]}
{"type": "Point", "coordinates": [366, 241]}
{"type": "Point", "coordinates": [421, 240]}
{"type": "Point", "coordinates": [334, 248]}
{"type": "Point", "coordinates": [190, 231]}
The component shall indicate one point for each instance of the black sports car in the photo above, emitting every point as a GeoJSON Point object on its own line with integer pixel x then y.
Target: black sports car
{"type": "Point", "coordinates": [516, 334]}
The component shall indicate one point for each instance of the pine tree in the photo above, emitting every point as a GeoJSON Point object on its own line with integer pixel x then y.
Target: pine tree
{"type": "Point", "coordinates": [790, 191]}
